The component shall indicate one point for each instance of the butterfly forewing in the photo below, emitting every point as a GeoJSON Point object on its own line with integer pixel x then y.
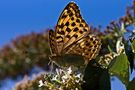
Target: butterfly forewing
{"type": "Point", "coordinates": [72, 36]}
{"type": "Point", "coordinates": [70, 27]}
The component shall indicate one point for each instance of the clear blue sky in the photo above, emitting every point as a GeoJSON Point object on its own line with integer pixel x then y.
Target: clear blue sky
{"type": "Point", "coordinates": [19, 17]}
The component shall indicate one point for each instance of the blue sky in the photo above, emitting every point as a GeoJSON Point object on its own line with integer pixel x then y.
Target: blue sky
{"type": "Point", "coordinates": [19, 17]}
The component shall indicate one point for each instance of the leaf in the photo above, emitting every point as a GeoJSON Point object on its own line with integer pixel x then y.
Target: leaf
{"type": "Point", "coordinates": [131, 85]}
{"type": "Point", "coordinates": [96, 78]}
{"type": "Point", "coordinates": [130, 56]}
{"type": "Point", "coordinates": [133, 46]}
{"type": "Point", "coordinates": [121, 68]}
{"type": "Point", "coordinates": [133, 49]}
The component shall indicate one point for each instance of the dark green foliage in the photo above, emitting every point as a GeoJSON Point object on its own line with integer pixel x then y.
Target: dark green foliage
{"type": "Point", "coordinates": [121, 68]}
{"type": "Point", "coordinates": [96, 78]}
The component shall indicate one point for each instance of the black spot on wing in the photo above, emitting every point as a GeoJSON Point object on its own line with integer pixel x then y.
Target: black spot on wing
{"type": "Point", "coordinates": [63, 16]}
{"type": "Point", "coordinates": [78, 20]}
{"type": "Point", "coordinates": [76, 29]}
{"type": "Point", "coordinates": [81, 25]}
{"type": "Point", "coordinates": [71, 14]}
{"type": "Point", "coordinates": [61, 26]}
{"type": "Point", "coordinates": [87, 44]}
{"type": "Point", "coordinates": [85, 30]}
{"type": "Point", "coordinates": [61, 32]}
{"type": "Point", "coordinates": [68, 29]}
{"type": "Point", "coordinates": [68, 36]}
{"type": "Point", "coordinates": [76, 36]}
{"type": "Point", "coordinates": [73, 24]}
{"type": "Point", "coordinates": [72, 18]}
{"type": "Point", "coordinates": [67, 24]}
{"type": "Point", "coordinates": [81, 32]}
{"type": "Point", "coordinates": [58, 37]}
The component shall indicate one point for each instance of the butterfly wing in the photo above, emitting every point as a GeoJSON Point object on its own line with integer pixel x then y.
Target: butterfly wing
{"type": "Point", "coordinates": [52, 42]}
{"type": "Point", "coordinates": [88, 47]}
{"type": "Point", "coordinates": [70, 27]}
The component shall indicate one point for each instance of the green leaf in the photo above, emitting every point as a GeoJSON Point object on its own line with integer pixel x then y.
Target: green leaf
{"type": "Point", "coordinates": [131, 85]}
{"type": "Point", "coordinates": [121, 68]}
{"type": "Point", "coordinates": [133, 46]}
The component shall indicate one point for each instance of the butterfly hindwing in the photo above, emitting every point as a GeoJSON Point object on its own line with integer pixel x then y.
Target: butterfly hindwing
{"type": "Point", "coordinates": [52, 42]}
{"type": "Point", "coordinates": [87, 47]}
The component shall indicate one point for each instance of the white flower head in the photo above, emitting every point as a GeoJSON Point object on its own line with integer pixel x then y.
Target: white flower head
{"type": "Point", "coordinates": [40, 83]}
{"type": "Point", "coordinates": [59, 71]}
{"type": "Point", "coordinates": [64, 78]}
{"type": "Point", "coordinates": [55, 78]}
{"type": "Point", "coordinates": [133, 31]}
{"type": "Point", "coordinates": [78, 75]}
{"type": "Point", "coordinates": [122, 26]}
{"type": "Point", "coordinates": [69, 70]}
{"type": "Point", "coordinates": [119, 46]}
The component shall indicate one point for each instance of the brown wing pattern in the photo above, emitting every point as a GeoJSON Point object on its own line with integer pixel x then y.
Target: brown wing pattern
{"type": "Point", "coordinates": [52, 42]}
{"type": "Point", "coordinates": [88, 47]}
{"type": "Point", "coordinates": [72, 35]}
{"type": "Point", "coordinates": [70, 28]}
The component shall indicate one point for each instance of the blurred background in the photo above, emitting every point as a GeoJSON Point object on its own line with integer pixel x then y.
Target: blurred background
{"type": "Point", "coordinates": [21, 17]}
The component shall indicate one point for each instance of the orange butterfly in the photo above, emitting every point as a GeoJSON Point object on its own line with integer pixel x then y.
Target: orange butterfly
{"type": "Point", "coordinates": [71, 43]}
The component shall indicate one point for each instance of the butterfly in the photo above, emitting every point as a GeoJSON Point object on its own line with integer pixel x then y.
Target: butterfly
{"type": "Point", "coordinates": [72, 43]}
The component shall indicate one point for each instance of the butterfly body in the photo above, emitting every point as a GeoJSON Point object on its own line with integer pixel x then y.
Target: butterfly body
{"type": "Point", "coordinates": [68, 60]}
{"type": "Point", "coordinates": [72, 43]}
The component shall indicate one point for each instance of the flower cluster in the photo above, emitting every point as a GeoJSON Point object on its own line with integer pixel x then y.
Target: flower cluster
{"type": "Point", "coordinates": [60, 80]}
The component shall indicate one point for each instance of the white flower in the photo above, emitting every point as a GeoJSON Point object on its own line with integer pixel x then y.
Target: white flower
{"type": "Point", "coordinates": [40, 83]}
{"type": "Point", "coordinates": [133, 31]}
{"type": "Point", "coordinates": [123, 28]}
{"type": "Point", "coordinates": [59, 71]}
{"type": "Point", "coordinates": [64, 78]}
{"type": "Point", "coordinates": [69, 70]}
{"type": "Point", "coordinates": [54, 78]}
{"type": "Point", "coordinates": [119, 46]}
{"type": "Point", "coordinates": [45, 83]}
{"type": "Point", "coordinates": [78, 75]}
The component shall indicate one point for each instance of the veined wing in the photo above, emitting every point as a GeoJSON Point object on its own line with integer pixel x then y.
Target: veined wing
{"type": "Point", "coordinates": [70, 27]}
{"type": "Point", "coordinates": [88, 47]}
{"type": "Point", "coordinates": [52, 42]}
